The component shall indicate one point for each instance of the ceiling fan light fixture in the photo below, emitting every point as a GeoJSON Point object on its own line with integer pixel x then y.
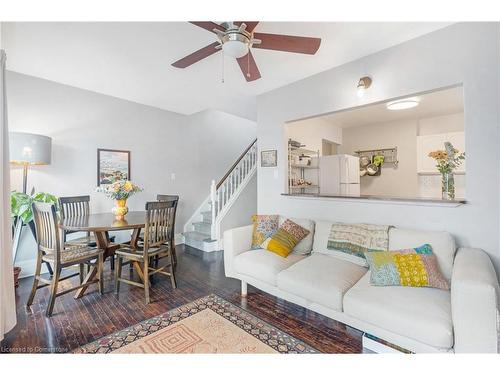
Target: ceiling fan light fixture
{"type": "Point", "coordinates": [235, 48]}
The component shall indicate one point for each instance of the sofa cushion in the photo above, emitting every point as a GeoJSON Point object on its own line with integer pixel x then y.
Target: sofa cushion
{"type": "Point", "coordinates": [422, 314]}
{"type": "Point", "coordinates": [416, 267]}
{"type": "Point", "coordinates": [321, 279]}
{"type": "Point", "coordinates": [320, 245]}
{"type": "Point", "coordinates": [284, 240]}
{"type": "Point", "coordinates": [263, 265]}
{"type": "Point", "coordinates": [304, 247]}
{"type": "Point", "coordinates": [264, 226]}
{"type": "Point", "coordinates": [442, 243]}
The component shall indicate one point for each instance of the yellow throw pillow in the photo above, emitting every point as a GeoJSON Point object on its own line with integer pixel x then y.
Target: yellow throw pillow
{"type": "Point", "coordinates": [284, 240]}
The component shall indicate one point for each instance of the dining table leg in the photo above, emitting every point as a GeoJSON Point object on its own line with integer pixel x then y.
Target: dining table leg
{"type": "Point", "coordinates": [102, 241]}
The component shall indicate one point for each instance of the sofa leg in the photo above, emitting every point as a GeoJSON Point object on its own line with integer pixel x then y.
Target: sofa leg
{"type": "Point", "coordinates": [244, 287]}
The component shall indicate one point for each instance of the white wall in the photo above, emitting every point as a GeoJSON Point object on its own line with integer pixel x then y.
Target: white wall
{"type": "Point", "coordinates": [312, 132]}
{"type": "Point", "coordinates": [465, 53]}
{"type": "Point", "coordinates": [397, 182]}
{"type": "Point", "coordinates": [161, 143]}
{"type": "Point", "coordinates": [441, 124]}
{"type": "Point", "coordinates": [222, 138]}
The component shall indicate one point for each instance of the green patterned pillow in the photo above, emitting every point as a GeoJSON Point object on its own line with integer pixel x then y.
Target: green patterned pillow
{"type": "Point", "coordinates": [416, 267]}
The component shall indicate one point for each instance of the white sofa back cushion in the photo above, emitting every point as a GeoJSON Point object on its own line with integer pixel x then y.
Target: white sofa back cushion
{"type": "Point", "coordinates": [304, 247]}
{"type": "Point", "coordinates": [320, 245]}
{"type": "Point", "coordinates": [443, 245]}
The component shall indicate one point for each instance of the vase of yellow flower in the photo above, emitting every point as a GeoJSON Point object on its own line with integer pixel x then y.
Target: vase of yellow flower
{"type": "Point", "coordinates": [119, 191]}
{"type": "Point", "coordinates": [447, 161]}
{"type": "Point", "coordinates": [120, 209]}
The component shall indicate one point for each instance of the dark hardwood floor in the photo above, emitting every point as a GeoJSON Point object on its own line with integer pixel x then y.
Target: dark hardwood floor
{"type": "Point", "coordinates": [77, 322]}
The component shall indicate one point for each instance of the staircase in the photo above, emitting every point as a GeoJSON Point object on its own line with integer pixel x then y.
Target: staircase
{"type": "Point", "coordinates": [202, 230]}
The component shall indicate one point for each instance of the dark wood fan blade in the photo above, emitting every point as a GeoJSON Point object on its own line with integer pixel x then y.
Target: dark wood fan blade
{"type": "Point", "coordinates": [207, 25]}
{"type": "Point", "coordinates": [197, 56]}
{"type": "Point", "coordinates": [287, 43]}
{"type": "Point", "coordinates": [249, 67]}
{"type": "Point", "coordinates": [251, 25]}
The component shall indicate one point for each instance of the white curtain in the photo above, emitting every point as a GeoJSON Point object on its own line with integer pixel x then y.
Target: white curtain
{"type": "Point", "coordinates": [7, 297]}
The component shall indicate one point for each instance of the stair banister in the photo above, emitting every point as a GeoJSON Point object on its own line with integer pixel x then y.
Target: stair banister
{"type": "Point", "coordinates": [222, 197]}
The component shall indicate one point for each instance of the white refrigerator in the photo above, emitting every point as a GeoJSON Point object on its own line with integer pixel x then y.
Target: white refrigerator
{"type": "Point", "coordinates": [339, 175]}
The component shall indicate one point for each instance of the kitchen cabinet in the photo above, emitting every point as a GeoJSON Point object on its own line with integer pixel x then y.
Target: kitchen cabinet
{"type": "Point", "coordinates": [428, 143]}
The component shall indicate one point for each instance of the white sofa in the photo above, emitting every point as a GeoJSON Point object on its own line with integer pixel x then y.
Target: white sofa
{"type": "Point", "coordinates": [464, 319]}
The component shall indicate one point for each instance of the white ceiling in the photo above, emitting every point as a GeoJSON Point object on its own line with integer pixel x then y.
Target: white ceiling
{"type": "Point", "coordinates": [132, 60]}
{"type": "Point", "coordinates": [437, 103]}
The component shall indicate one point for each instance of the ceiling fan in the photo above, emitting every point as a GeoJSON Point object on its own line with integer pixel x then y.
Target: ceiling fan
{"type": "Point", "coordinates": [236, 40]}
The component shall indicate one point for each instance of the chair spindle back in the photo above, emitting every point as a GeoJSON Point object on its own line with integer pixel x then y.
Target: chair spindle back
{"type": "Point", "coordinates": [160, 221]}
{"type": "Point", "coordinates": [47, 231]}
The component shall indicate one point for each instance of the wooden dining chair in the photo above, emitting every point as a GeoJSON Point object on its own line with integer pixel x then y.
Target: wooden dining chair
{"type": "Point", "coordinates": [51, 248]}
{"type": "Point", "coordinates": [79, 206]}
{"type": "Point", "coordinates": [158, 233]}
{"type": "Point", "coordinates": [170, 198]}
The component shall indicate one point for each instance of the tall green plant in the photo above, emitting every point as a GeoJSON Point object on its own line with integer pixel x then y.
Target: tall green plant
{"type": "Point", "coordinates": [20, 204]}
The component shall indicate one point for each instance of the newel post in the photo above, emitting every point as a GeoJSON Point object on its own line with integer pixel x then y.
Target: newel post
{"type": "Point", "coordinates": [213, 199]}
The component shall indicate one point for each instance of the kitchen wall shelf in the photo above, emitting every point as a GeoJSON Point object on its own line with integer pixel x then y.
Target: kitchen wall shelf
{"type": "Point", "coordinates": [302, 172]}
{"type": "Point", "coordinates": [390, 154]}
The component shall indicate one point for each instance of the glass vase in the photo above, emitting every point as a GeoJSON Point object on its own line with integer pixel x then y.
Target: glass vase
{"type": "Point", "coordinates": [448, 186]}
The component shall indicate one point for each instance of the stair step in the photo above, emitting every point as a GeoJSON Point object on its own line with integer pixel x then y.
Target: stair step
{"type": "Point", "coordinates": [195, 235]}
{"type": "Point", "coordinates": [207, 217]}
{"type": "Point", "coordinates": [203, 227]}
{"type": "Point", "coordinates": [196, 239]}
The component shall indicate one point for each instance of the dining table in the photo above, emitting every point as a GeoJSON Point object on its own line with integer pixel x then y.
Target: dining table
{"type": "Point", "coordinates": [101, 224]}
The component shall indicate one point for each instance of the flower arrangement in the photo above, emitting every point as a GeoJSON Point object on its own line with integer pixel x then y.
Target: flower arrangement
{"type": "Point", "coordinates": [119, 190]}
{"type": "Point", "coordinates": [447, 161]}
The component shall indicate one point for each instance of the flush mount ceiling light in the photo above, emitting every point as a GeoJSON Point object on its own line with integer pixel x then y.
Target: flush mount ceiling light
{"type": "Point", "coordinates": [398, 105]}
{"type": "Point", "coordinates": [363, 84]}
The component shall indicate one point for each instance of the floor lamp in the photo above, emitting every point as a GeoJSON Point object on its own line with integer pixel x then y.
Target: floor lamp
{"type": "Point", "coordinates": [27, 150]}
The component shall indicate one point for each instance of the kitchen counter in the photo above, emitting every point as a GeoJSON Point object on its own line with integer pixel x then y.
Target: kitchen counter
{"type": "Point", "coordinates": [382, 199]}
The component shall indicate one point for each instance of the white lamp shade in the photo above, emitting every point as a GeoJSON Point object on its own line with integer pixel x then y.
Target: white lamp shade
{"type": "Point", "coordinates": [235, 48]}
{"type": "Point", "coordinates": [27, 148]}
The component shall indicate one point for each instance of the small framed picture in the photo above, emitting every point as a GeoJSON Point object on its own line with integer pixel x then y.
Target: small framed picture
{"type": "Point", "coordinates": [269, 158]}
{"type": "Point", "coordinates": [112, 166]}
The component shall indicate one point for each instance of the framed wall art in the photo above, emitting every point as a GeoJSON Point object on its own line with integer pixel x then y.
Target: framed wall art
{"type": "Point", "coordinates": [112, 166]}
{"type": "Point", "coordinates": [269, 158]}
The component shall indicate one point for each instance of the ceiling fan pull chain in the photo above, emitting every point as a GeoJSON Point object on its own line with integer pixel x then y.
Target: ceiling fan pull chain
{"type": "Point", "coordinates": [248, 64]}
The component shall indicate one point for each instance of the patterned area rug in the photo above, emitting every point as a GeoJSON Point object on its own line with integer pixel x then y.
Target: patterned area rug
{"type": "Point", "coordinates": [207, 325]}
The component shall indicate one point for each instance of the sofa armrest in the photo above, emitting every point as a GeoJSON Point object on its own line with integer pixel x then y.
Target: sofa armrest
{"type": "Point", "coordinates": [474, 302]}
{"type": "Point", "coordinates": [236, 241]}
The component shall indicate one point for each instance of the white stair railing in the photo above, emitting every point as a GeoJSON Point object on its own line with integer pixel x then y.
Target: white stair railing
{"type": "Point", "coordinates": [225, 193]}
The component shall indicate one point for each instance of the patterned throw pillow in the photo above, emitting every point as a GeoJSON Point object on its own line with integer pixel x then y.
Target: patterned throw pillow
{"type": "Point", "coordinates": [264, 226]}
{"type": "Point", "coordinates": [413, 267]}
{"type": "Point", "coordinates": [284, 240]}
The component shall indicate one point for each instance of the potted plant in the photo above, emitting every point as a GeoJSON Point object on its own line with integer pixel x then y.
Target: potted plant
{"type": "Point", "coordinates": [447, 161]}
{"type": "Point", "coordinates": [22, 214]}
{"type": "Point", "coordinates": [119, 191]}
